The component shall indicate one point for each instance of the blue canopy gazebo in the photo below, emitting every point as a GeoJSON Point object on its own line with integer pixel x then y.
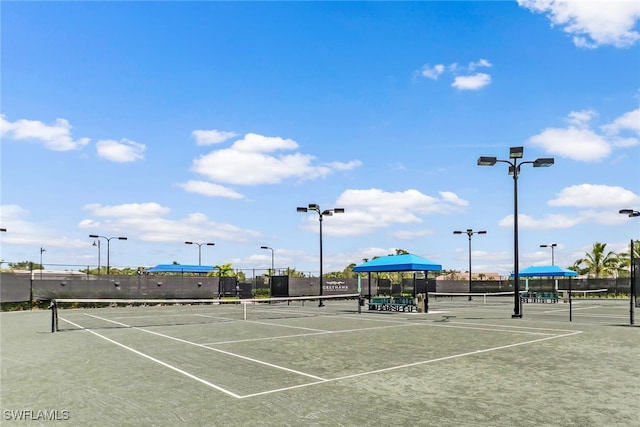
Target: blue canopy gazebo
{"type": "Point", "coordinates": [398, 263]}
{"type": "Point", "coordinates": [545, 271]}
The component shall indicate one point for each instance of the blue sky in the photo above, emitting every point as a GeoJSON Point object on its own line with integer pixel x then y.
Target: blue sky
{"type": "Point", "coordinates": [212, 121]}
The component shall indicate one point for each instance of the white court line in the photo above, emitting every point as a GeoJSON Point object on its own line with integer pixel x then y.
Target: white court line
{"type": "Point", "coordinates": [320, 380]}
{"type": "Point", "coordinates": [271, 365]}
{"type": "Point", "coordinates": [160, 362]}
{"type": "Point", "coordinates": [438, 323]}
{"type": "Point", "coordinates": [408, 365]}
{"type": "Point", "coordinates": [267, 323]}
{"type": "Point", "coordinates": [305, 335]}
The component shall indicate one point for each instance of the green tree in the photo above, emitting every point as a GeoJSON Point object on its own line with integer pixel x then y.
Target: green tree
{"type": "Point", "coordinates": [624, 258]}
{"type": "Point", "coordinates": [598, 263]}
{"type": "Point", "coordinates": [223, 270]}
{"type": "Point", "coordinates": [25, 265]}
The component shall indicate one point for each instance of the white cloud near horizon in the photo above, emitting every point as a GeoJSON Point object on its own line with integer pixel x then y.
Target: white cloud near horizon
{"type": "Point", "coordinates": [592, 23]}
{"type": "Point", "coordinates": [56, 137]}
{"type": "Point", "coordinates": [149, 222]}
{"type": "Point", "coordinates": [22, 231]}
{"type": "Point", "coordinates": [580, 142]}
{"type": "Point", "coordinates": [599, 204]}
{"type": "Point", "coordinates": [123, 151]}
{"type": "Point", "coordinates": [250, 161]}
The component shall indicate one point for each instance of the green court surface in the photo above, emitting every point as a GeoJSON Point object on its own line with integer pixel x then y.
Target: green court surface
{"type": "Point", "coordinates": [465, 363]}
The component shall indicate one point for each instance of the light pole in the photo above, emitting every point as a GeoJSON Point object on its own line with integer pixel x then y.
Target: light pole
{"type": "Point", "coordinates": [328, 212]}
{"type": "Point", "coordinates": [267, 247]}
{"type": "Point", "coordinates": [515, 153]}
{"type": "Point", "coordinates": [632, 294]}
{"type": "Point", "coordinates": [553, 247]}
{"type": "Point", "coordinates": [470, 233]}
{"type": "Point", "coordinates": [108, 239]}
{"type": "Point", "coordinates": [41, 266]}
{"type": "Point", "coordinates": [199, 249]}
{"type": "Point", "coordinates": [97, 243]}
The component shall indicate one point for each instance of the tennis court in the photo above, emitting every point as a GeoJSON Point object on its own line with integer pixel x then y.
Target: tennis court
{"type": "Point", "coordinates": [465, 363]}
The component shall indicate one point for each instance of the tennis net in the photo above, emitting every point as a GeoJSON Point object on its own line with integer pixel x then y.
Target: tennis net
{"type": "Point", "coordinates": [471, 298]}
{"type": "Point", "coordinates": [69, 313]}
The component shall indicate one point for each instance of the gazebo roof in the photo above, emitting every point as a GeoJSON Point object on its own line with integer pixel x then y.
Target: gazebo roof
{"type": "Point", "coordinates": [546, 271]}
{"type": "Point", "coordinates": [390, 263]}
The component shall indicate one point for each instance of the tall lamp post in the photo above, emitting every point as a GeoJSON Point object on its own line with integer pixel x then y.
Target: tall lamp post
{"type": "Point", "coordinates": [199, 249]}
{"type": "Point", "coordinates": [328, 212]}
{"type": "Point", "coordinates": [272, 270]}
{"type": "Point", "coordinates": [108, 239]}
{"type": "Point", "coordinates": [553, 247]}
{"type": "Point", "coordinates": [97, 243]}
{"type": "Point", "coordinates": [41, 266]}
{"type": "Point", "coordinates": [515, 153]}
{"type": "Point", "coordinates": [470, 233]}
{"type": "Point", "coordinates": [632, 295]}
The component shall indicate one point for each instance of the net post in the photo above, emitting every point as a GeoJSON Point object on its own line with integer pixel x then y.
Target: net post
{"type": "Point", "coordinates": [54, 316]}
{"type": "Point", "coordinates": [244, 309]}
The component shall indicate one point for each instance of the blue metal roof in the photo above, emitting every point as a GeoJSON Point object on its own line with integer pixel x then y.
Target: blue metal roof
{"type": "Point", "coordinates": [405, 262]}
{"type": "Point", "coordinates": [546, 271]}
{"type": "Point", "coordinates": [181, 268]}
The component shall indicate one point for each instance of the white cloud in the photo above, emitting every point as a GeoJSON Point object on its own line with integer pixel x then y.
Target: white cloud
{"type": "Point", "coordinates": [595, 196]}
{"type": "Point", "coordinates": [581, 119]}
{"type": "Point", "coordinates": [579, 142]}
{"type": "Point", "coordinates": [453, 198]}
{"type": "Point", "coordinates": [210, 189]}
{"type": "Point", "coordinates": [148, 222]}
{"type": "Point", "coordinates": [592, 23]}
{"type": "Point", "coordinates": [122, 151]}
{"type": "Point", "coordinates": [548, 222]}
{"type": "Point", "coordinates": [473, 82]}
{"type": "Point", "coordinates": [629, 121]}
{"type": "Point", "coordinates": [432, 72]}
{"type": "Point", "coordinates": [481, 63]}
{"type": "Point", "coordinates": [56, 137]}
{"type": "Point", "coordinates": [254, 143]}
{"type": "Point", "coordinates": [22, 231]}
{"type": "Point", "coordinates": [209, 137]}
{"type": "Point", "coordinates": [128, 209]}
{"type": "Point", "coordinates": [372, 209]}
{"type": "Point", "coordinates": [461, 82]}
{"type": "Point", "coordinates": [246, 162]}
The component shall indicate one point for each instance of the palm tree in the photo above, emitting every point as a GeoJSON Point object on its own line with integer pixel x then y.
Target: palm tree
{"type": "Point", "coordinates": [624, 258]}
{"type": "Point", "coordinates": [223, 270]}
{"type": "Point", "coordinates": [598, 263]}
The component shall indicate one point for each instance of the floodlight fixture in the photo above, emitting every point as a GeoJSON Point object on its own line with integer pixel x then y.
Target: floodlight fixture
{"type": "Point", "coordinates": [516, 152]}
{"type": "Point", "coordinates": [487, 161]}
{"type": "Point", "coordinates": [629, 212]}
{"type": "Point", "coordinates": [543, 162]}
